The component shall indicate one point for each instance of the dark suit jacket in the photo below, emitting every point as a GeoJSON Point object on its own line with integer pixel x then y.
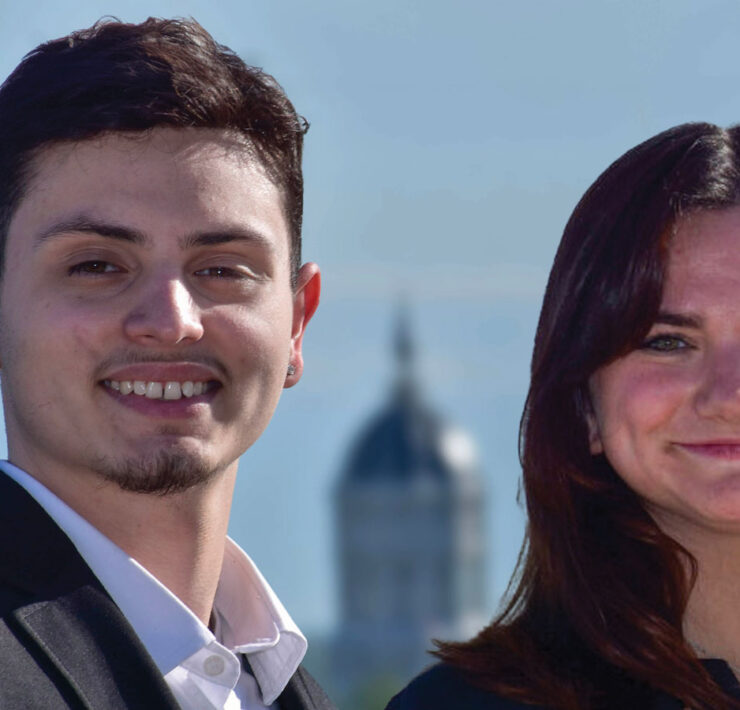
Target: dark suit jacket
{"type": "Point", "coordinates": [63, 642]}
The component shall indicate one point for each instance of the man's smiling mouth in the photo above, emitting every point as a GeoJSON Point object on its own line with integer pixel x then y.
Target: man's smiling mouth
{"type": "Point", "coordinates": [170, 390]}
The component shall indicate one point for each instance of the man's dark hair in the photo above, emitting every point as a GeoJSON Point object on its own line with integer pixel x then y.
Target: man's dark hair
{"type": "Point", "coordinates": [124, 77]}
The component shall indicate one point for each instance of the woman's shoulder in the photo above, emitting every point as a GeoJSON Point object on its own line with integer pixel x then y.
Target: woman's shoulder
{"type": "Point", "coordinates": [443, 686]}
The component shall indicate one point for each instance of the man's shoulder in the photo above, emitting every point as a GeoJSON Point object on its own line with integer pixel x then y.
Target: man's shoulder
{"type": "Point", "coordinates": [62, 638]}
{"type": "Point", "coordinates": [38, 558]}
{"type": "Point", "coordinates": [443, 686]}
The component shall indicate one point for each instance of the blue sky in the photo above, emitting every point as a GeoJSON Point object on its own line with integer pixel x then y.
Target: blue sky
{"type": "Point", "coordinates": [448, 145]}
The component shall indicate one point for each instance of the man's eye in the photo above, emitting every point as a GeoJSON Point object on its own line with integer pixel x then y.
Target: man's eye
{"type": "Point", "coordinates": [665, 343]}
{"type": "Point", "coordinates": [94, 266]}
{"type": "Point", "coordinates": [222, 272]}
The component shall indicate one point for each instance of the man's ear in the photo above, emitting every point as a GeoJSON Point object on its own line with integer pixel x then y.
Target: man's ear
{"type": "Point", "coordinates": [305, 302]}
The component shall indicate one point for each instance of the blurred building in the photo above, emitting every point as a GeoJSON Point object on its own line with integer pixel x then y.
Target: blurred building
{"type": "Point", "coordinates": [409, 528]}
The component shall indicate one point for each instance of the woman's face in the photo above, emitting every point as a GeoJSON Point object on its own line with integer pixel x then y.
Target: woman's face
{"type": "Point", "coordinates": [667, 415]}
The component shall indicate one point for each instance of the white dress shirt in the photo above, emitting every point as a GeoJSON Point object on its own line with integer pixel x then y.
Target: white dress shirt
{"type": "Point", "coordinates": [200, 667]}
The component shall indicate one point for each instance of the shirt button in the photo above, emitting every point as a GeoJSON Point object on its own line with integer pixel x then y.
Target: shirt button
{"type": "Point", "coordinates": [214, 665]}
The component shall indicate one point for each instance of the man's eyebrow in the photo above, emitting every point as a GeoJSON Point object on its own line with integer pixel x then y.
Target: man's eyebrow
{"type": "Point", "coordinates": [224, 236]}
{"type": "Point", "coordinates": [680, 320]}
{"type": "Point", "coordinates": [86, 225]}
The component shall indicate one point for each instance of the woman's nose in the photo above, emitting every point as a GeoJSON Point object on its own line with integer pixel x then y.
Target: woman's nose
{"type": "Point", "coordinates": [719, 393]}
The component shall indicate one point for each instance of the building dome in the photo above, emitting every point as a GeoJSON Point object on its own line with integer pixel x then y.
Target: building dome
{"type": "Point", "coordinates": [410, 536]}
{"type": "Point", "coordinates": [407, 439]}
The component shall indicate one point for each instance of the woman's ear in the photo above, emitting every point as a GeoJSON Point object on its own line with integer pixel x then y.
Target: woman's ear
{"type": "Point", "coordinates": [594, 436]}
{"type": "Point", "coordinates": [592, 421]}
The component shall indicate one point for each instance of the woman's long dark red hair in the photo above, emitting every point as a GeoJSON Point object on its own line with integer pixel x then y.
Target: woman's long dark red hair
{"type": "Point", "coordinates": [595, 610]}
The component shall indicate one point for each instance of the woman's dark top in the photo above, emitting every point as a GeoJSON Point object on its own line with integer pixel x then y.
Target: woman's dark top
{"type": "Point", "coordinates": [445, 688]}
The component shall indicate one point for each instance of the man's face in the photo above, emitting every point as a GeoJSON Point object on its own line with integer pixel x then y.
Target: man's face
{"type": "Point", "coordinates": [158, 263]}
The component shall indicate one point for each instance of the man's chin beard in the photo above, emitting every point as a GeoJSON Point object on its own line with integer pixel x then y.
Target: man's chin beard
{"type": "Point", "coordinates": [163, 473]}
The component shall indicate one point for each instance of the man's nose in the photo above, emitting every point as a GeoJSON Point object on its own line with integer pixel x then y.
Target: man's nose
{"type": "Point", "coordinates": [718, 395]}
{"type": "Point", "coordinates": [164, 313]}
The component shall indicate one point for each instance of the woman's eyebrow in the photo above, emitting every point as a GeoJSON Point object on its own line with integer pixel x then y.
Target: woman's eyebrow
{"type": "Point", "coordinates": [682, 320]}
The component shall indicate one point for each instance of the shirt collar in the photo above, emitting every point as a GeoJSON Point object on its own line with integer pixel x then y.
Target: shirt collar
{"type": "Point", "coordinates": [252, 620]}
{"type": "Point", "coordinates": [249, 617]}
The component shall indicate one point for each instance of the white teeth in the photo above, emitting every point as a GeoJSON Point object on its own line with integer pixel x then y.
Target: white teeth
{"type": "Point", "coordinates": [154, 390]}
{"type": "Point", "coordinates": [158, 390]}
{"type": "Point", "coordinates": [172, 390]}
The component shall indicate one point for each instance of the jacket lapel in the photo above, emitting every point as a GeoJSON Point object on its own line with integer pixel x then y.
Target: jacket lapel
{"type": "Point", "coordinates": [66, 614]}
{"type": "Point", "coordinates": [304, 693]}
{"type": "Point", "coordinates": [88, 640]}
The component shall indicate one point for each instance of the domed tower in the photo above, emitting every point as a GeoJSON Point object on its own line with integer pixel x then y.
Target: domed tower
{"type": "Point", "coordinates": [410, 535]}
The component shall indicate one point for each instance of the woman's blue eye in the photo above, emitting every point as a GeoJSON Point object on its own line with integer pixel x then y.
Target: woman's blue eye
{"type": "Point", "coordinates": [665, 343]}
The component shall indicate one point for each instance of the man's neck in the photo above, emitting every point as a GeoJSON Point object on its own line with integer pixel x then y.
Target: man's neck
{"type": "Point", "coordinates": [179, 538]}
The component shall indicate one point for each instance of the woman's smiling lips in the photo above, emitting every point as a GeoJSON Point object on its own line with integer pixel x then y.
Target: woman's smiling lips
{"type": "Point", "coordinates": [728, 449]}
